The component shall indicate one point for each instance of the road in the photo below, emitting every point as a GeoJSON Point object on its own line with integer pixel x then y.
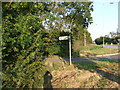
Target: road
{"type": "Point", "coordinates": [99, 58]}
{"type": "Point", "coordinates": [110, 46]}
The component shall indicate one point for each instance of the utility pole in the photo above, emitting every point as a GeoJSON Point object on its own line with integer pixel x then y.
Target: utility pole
{"type": "Point", "coordinates": [103, 41]}
{"type": "Point", "coordinates": [103, 26]}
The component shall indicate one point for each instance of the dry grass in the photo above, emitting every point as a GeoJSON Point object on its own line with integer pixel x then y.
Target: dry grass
{"type": "Point", "coordinates": [87, 74]}
{"type": "Point", "coordinates": [84, 74]}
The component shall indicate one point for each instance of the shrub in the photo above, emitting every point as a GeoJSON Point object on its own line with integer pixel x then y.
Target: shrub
{"type": "Point", "coordinates": [23, 51]}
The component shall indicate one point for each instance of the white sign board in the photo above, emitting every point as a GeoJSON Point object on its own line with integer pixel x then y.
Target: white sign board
{"type": "Point", "coordinates": [63, 37]}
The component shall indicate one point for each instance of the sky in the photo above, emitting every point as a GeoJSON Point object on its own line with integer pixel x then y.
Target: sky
{"type": "Point", "coordinates": [105, 19]}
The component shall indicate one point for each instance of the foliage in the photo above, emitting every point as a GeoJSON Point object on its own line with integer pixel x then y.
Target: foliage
{"type": "Point", "coordinates": [111, 38]}
{"type": "Point", "coordinates": [99, 41]}
{"type": "Point", "coordinates": [22, 46]}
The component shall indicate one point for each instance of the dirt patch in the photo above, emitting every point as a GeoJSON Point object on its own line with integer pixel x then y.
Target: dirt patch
{"type": "Point", "coordinates": [72, 77]}
{"type": "Point", "coordinates": [69, 76]}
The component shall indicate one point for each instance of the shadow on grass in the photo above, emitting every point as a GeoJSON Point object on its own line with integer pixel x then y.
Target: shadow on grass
{"type": "Point", "coordinates": [92, 66]}
{"type": "Point", "coordinates": [87, 65]}
{"type": "Point", "coordinates": [112, 77]}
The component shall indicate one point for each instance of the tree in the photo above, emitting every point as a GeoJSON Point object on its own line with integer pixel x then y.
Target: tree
{"type": "Point", "coordinates": [99, 41]}
{"type": "Point", "coordinates": [72, 18]}
{"type": "Point", "coordinates": [112, 38]}
{"type": "Point", "coordinates": [112, 34]}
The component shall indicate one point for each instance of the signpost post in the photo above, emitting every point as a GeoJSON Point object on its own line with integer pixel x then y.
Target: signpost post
{"type": "Point", "coordinates": [66, 38]}
{"type": "Point", "coordinates": [70, 49]}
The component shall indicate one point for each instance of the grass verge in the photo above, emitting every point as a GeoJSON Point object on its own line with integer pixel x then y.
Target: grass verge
{"type": "Point", "coordinates": [92, 65]}
{"type": "Point", "coordinates": [94, 50]}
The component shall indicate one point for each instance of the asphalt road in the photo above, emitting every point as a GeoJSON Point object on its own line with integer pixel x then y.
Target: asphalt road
{"type": "Point", "coordinates": [112, 46]}
{"type": "Point", "coordinates": [99, 58]}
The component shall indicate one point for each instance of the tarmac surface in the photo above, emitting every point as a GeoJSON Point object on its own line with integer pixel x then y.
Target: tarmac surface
{"type": "Point", "coordinates": [110, 46]}
{"type": "Point", "coordinates": [99, 58]}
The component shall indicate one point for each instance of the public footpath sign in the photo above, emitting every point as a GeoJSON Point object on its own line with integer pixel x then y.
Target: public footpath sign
{"type": "Point", "coordinates": [67, 38]}
{"type": "Point", "coordinates": [63, 37]}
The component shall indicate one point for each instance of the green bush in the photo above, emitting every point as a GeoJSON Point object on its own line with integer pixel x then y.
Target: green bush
{"type": "Point", "coordinates": [23, 50]}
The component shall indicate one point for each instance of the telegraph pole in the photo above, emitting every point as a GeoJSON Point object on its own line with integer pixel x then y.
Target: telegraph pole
{"type": "Point", "coordinates": [103, 41]}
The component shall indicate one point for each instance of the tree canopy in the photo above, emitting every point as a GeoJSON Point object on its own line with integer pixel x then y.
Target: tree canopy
{"type": "Point", "coordinates": [112, 37]}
